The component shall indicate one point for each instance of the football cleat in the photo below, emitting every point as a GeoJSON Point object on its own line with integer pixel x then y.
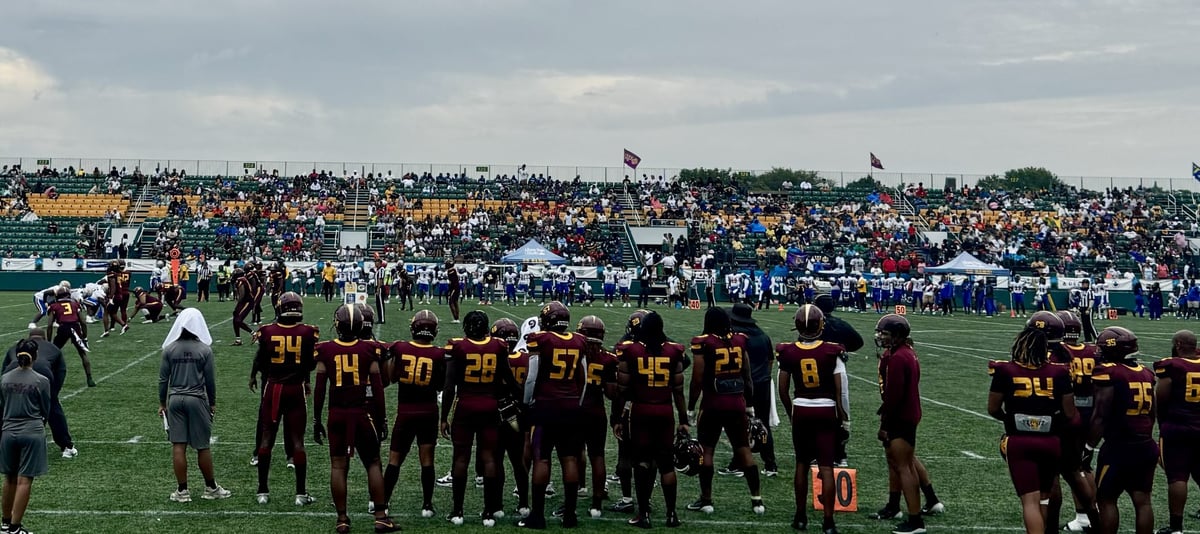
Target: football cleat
{"type": "Point", "coordinates": [455, 518]}
{"type": "Point", "coordinates": [291, 464]}
{"type": "Point", "coordinates": [582, 492]}
{"type": "Point", "coordinates": [615, 478]}
{"type": "Point", "coordinates": [770, 473]}
{"type": "Point", "coordinates": [624, 505]}
{"type": "Point", "coordinates": [370, 507]}
{"type": "Point", "coordinates": [386, 525]}
{"type": "Point", "coordinates": [534, 523]}
{"type": "Point", "coordinates": [304, 499]}
{"type": "Point", "coordinates": [124, 329]}
{"type": "Point", "coordinates": [70, 452]}
{"type": "Point", "coordinates": [701, 505]}
{"type": "Point", "coordinates": [909, 527]}
{"type": "Point", "coordinates": [730, 472]}
{"type": "Point", "coordinates": [641, 520]}
{"type": "Point", "coordinates": [254, 460]}
{"type": "Point", "coordinates": [559, 512]}
{"type": "Point", "coordinates": [673, 520]}
{"type": "Point", "coordinates": [594, 512]}
{"type": "Point", "coordinates": [263, 498]}
{"type": "Point", "coordinates": [106, 333]}
{"type": "Point", "coordinates": [478, 482]}
{"type": "Point", "coordinates": [936, 508]}
{"type": "Point", "coordinates": [446, 481]}
{"type": "Point", "coordinates": [799, 522]}
{"type": "Point", "coordinates": [523, 512]}
{"type": "Point", "coordinates": [756, 505]}
{"type": "Point", "coordinates": [550, 492]}
{"type": "Point", "coordinates": [886, 513]}
{"type": "Point", "coordinates": [181, 496]}
{"type": "Point", "coordinates": [216, 493]}
{"type": "Point", "coordinates": [427, 511]}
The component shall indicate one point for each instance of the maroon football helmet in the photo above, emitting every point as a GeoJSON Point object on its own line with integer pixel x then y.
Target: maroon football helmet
{"type": "Point", "coordinates": [368, 323]}
{"type": "Point", "coordinates": [347, 321]}
{"type": "Point", "coordinates": [591, 327]}
{"type": "Point", "coordinates": [810, 322]}
{"type": "Point", "coordinates": [555, 317]}
{"type": "Point", "coordinates": [291, 306]}
{"type": "Point", "coordinates": [1072, 326]}
{"type": "Point", "coordinates": [634, 321]}
{"type": "Point", "coordinates": [504, 328]}
{"type": "Point", "coordinates": [424, 326]}
{"type": "Point", "coordinates": [891, 330]}
{"type": "Point", "coordinates": [1117, 343]}
{"type": "Point", "coordinates": [1049, 323]}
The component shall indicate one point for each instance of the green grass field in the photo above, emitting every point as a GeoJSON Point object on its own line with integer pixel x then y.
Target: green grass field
{"type": "Point", "coordinates": [122, 477]}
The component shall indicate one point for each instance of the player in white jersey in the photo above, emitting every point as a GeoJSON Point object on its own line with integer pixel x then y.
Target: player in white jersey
{"type": "Point", "coordinates": [847, 282]}
{"type": "Point", "coordinates": [510, 287]}
{"type": "Point", "coordinates": [562, 284]}
{"type": "Point", "coordinates": [44, 298]}
{"type": "Point", "coordinates": [733, 287]}
{"type": "Point", "coordinates": [1043, 295]}
{"type": "Point", "coordinates": [525, 285]}
{"type": "Point", "coordinates": [422, 288]}
{"type": "Point", "coordinates": [624, 282]}
{"type": "Point", "coordinates": [610, 285]}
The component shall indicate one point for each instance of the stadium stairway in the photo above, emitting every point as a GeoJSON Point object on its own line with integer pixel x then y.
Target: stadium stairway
{"type": "Point", "coordinates": [139, 208]}
{"type": "Point", "coordinates": [358, 211]}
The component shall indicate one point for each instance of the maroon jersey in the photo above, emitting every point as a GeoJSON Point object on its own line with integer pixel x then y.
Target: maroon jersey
{"type": "Point", "coordinates": [244, 289]}
{"type": "Point", "coordinates": [480, 366]}
{"type": "Point", "coordinates": [899, 386]}
{"type": "Point", "coordinates": [1083, 364]}
{"type": "Point", "coordinates": [452, 278]}
{"type": "Point", "coordinates": [725, 383]}
{"type": "Point", "coordinates": [1130, 418]}
{"type": "Point", "coordinates": [559, 362]}
{"type": "Point", "coordinates": [64, 311]}
{"type": "Point", "coordinates": [1032, 396]}
{"type": "Point", "coordinates": [418, 370]}
{"type": "Point", "coordinates": [122, 284]}
{"type": "Point", "coordinates": [286, 352]}
{"type": "Point", "coordinates": [348, 363]}
{"type": "Point", "coordinates": [650, 375]}
{"type": "Point", "coordinates": [811, 367]}
{"type": "Point", "coordinates": [519, 363]}
{"type": "Point", "coordinates": [1182, 413]}
{"type": "Point", "coordinates": [601, 371]}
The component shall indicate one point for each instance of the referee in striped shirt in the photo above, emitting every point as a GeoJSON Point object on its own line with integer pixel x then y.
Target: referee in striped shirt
{"type": "Point", "coordinates": [380, 283]}
{"type": "Point", "coordinates": [1085, 298]}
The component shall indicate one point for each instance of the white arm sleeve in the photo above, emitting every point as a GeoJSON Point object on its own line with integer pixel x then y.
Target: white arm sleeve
{"type": "Point", "coordinates": [840, 370]}
{"type": "Point", "coordinates": [531, 379]}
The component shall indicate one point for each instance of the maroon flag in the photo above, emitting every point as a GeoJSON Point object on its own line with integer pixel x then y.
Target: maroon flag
{"type": "Point", "coordinates": [875, 162]}
{"type": "Point", "coordinates": [632, 159]}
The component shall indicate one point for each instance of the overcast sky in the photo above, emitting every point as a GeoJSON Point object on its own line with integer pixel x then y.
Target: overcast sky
{"type": "Point", "coordinates": [1100, 87]}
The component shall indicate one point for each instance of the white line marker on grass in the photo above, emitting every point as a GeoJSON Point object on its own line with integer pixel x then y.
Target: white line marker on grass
{"type": "Point", "coordinates": [970, 454]}
{"type": "Point", "coordinates": [129, 366]}
{"type": "Point", "coordinates": [135, 439]}
{"type": "Point", "coordinates": [939, 403]}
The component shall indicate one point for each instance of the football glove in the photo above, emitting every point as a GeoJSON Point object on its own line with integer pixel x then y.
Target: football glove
{"type": "Point", "coordinates": [318, 433]}
{"type": "Point", "coordinates": [1088, 452]}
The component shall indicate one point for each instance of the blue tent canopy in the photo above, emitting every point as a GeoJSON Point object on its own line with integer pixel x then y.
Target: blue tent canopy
{"type": "Point", "coordinates": [965, 263]}
{"type": "Point", "coordinates": [533, 252]}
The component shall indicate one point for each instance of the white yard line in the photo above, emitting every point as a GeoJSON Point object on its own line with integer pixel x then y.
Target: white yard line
{"type": "Point", "coordinates": [937, 402]}
{"type": "Point", "coordinates": [130, 365]}
{"type": "Point", "coordinates": [970, 454]}
{"type": "Point", "coordinates": [431, 522]}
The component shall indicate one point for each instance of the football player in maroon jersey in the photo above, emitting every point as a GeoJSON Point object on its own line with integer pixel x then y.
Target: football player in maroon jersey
{"type": "Point", "coordinates": [810, 384]}
{"type": "Point", "coordinates": [65, 312]}
{"type": "Point", "coordinates": [118, 297]}
{"type": "Point", "coordinates": [601, 384]}
{"type": "Point", "coordinates": [1178, 396]}
{"type": "Point", "coordinates": [347, 367]}
{"type": "Point", "coordinates": [553, 389]}
{"type": "Point", "coordinates": [1124, 419]}
{"type": "Point", "coordinates": [650, 381]}
{"type": "Point", "coordinates": [418, 369]}
{"type": "Point", "coordinates": [721, 375]}
{"type": "Point", "coordinates": [900, 412]}
{"type": "Point", "coordinates": [455, 294]}
{"type": "Point", "coordinates": [1033, 398]}
{"type": "Point", "coordinates": [143, 300]}
{"type": "Point", "coordinates": [477, 375]}
{"type": "Point", "coordinates": [514, 436]}
{"type": "Point", "coordinates": [1082, 359]}
{"type": "Point", "coordinates": [244, 290]}
{"type": "Point", "coordinates": [171, 295]}
{"type": "Point", "coordinates": [624, 470]}
{"type": "Point", "coordinates": [285, 357]}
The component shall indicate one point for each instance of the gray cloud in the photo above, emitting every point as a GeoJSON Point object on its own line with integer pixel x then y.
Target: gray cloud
{"type": "Point", "coordinates": [1099, 87]}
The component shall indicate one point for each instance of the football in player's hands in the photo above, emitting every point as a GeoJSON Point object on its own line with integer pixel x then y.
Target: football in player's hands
{"type": "Point", "coordinates": [318, 433]}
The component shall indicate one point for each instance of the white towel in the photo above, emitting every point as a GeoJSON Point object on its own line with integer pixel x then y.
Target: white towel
{"type": "Point", "coordinates": [774, 419]}
{"type": "Point", "coordinates": [193, 321]}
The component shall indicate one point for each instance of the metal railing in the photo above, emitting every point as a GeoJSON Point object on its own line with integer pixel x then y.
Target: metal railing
{"type": "Point", "coordinates": [607, 174]}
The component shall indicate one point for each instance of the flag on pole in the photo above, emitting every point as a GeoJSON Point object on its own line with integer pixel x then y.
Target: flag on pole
{"type": "Point", "coordinates": [632, 159]}
{"type": "Point", "coordinates": [875, 162]}
{"type": "Point", "coordinates": [1195, 171]}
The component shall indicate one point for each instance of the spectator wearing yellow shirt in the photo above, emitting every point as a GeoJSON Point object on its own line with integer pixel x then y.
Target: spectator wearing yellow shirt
{"type": "Point", "coordinates": [328, 274]}
{"type": "Point", "coordinates": [185, 274]}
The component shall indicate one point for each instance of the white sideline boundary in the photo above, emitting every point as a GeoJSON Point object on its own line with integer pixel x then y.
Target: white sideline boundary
{"type": "Point", "coordinates": [130, 365]}
{"type": "Point", "coordinates": [331, 516]}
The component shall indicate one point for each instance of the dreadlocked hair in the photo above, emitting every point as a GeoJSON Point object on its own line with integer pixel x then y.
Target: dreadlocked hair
{"type": "Point", "coordinates": [651, 333]}
{"type": "Point", "coordinates": [1030, 348]}
{"type": "Point", "coordinates": [716, 322]}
